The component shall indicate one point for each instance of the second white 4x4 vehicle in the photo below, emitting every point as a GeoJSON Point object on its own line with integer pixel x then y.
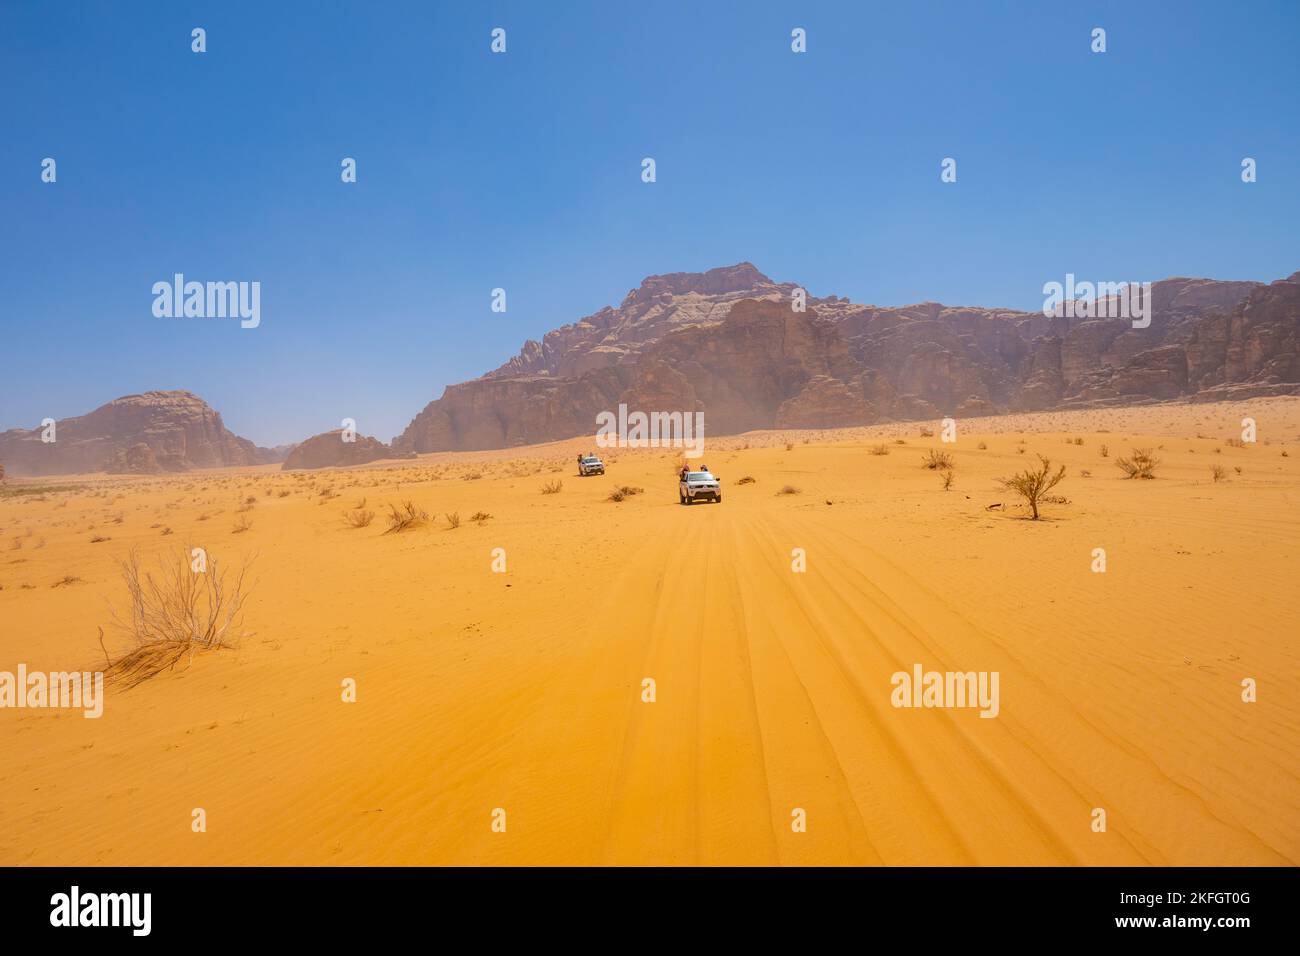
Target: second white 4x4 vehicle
{"type": "Point", "coordinates": [699, 486]}
{"type": "Point", "coordinates": [590, 465]}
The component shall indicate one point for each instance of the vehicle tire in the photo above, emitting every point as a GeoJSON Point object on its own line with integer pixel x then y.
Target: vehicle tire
{"type": "Point", "coordinates": [718, 500]}
{"type": "Point", "coordinates": [681, 498]}
{"type": "Point", "coordinates": [689, 500]}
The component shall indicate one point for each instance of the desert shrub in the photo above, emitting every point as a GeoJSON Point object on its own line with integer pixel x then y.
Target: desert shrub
{"type": "Point", "coordinates": [64, 581]}
{"type": "Point", "coordinates": [878, 450]}
{"type": "Point", "coordinates": [1078, 441]}
{"type": "Point", "coordinates": [624, 491]}
{"type": "Point", "coordinates": [926, 432]}
{"type": "Point", "coordinates": [284, 494]}
{"type": "Point", "coordinates": [1235, 443]}
{"type": "Point", "coordinates": [453, 520]}
{"type": "Point", "coordinates": [360, 518]}
{"type": "Point", "coordinates": [1218, 472]}
{"type": "Point", "coordinates": [947, 475]}
{"type": "Point", "coordinates": [98, 538]}
{"type": "Point", "coordinates": [789, 446]}
{"type": "Point", "coordinates": [1140, 464]}
{"type": "Point", "coordinates": [244, 523]}
{"type": "Point", "coordinates": [404, 517]}
{"type": "Point", "coordinates": [1032, 484]}
{"type": "Point", "coordinates": [788, 490]}
{"type": "Point", "coordinates": [472, 476]}
{"type": "Point", "coordinates": [937, 460]}
{"type": "Point", "coordinates": [552, 487]}
{"type": "Point", "coordinates": [747, 480]}
{"type": "Point", "coordinates": [983, 446]}
{"type": "Point", "coordinates": [1105, 451]}
{"type": "Point", "coordinates": [1237, 469]}
{"type": "Point", "coordinates": [479, 517]}
{"type": "Point", "coordinates": [175, 614]}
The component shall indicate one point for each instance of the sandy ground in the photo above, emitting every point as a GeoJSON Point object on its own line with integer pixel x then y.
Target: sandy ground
{"type": "Point", "coordinates": [522, 690]}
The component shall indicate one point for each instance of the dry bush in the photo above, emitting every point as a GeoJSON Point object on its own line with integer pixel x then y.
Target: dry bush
{"type": "Point", "coordinates": [878, 450]}
{"type": "Point", "coordinates": [1032, 484]}
{"type": "Point", "coordinates": [927, 432]}
{"type": "Point", "coordinates": [1237, 469]}
{"type": "Point", "coordinates": [983, 446]}
{"type": "Point", "coordinates": [64, 581]}
{"type": "Point", "coordinates": [479, 516]}
{"type": "Point", "coordinates": [1141, 464]}
{"type": "Point", "coordinates": [1105, 451]}
{"type": "Point", "coordinates": [98, 538]}
{"type": "Point", "coordinates": [938, 461]}
{"type": "Point", "coordinates": [176, 614]}
{"type": "Point", "coordinates": [1218, 472]}
{"type": "Point", "coordinates": [552, 487]}
{"type": "Point", "coordinates": [1235, 443]}
{"type": "Point", "coordinates": [360, 518]}
{"type": "Point", "coordinates": [243, 524]}
{"type": "Point", "coordinates": [405, 517]}
{"type": "Point", "coordinates": [747, 480]}
{"type": "Point", "coordinates": [947, 475]}
{"type": "Point", "coordinates": [788, 490]}
{"type": "Point", "coordinates": [284, 494]}
{"type": "Point", "coordinates": [472, 476]}
{"type": "Point", "coordinates": [624, 491]}
{"type": "Point", "coordinates": [453, 520]}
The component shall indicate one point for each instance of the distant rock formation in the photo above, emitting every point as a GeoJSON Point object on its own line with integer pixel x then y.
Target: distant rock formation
{"type": "Point", "coordinates": [728, 342]}
{"type": "Point", "coordinates": [328, 449]}
{"type": "Point", "coordinates": [137, 434]}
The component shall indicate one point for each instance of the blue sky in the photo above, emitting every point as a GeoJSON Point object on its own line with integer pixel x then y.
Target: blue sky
{"type": "Point", "coordinates": [522, 171]}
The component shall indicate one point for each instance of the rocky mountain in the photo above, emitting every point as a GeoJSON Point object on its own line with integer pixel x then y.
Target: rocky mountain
{"type": "Point", "coordinates": [329, 449]}
{"type": "Point", "coordinates": [136, 434]}
{"type": "Point", "coordinates": [728, 342]}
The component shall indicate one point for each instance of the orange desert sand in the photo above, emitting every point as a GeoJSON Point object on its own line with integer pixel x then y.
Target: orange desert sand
{"type": "Point", "coordinates": [522, 690]}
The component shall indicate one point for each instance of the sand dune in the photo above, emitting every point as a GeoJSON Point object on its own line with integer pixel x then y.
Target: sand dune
{"type": "Point", "coordinates": [522, 690]}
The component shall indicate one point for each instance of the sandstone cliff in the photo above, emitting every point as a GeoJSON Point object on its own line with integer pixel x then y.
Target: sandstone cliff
{"type": "Point", "coordinates": [328, 449]}
{"type": "Point", "coordinates": [729, 343]}
{"type": "Point", "coordinates": [143, 434]}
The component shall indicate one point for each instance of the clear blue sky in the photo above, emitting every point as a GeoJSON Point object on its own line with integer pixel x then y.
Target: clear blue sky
{"type": "Point", "coordinates": [523, 171]}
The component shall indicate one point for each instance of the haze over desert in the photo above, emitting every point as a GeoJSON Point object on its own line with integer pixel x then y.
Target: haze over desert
{"type": "Point", "coordinates": [481, 690]}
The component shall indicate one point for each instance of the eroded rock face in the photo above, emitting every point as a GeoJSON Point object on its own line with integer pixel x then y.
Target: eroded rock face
{"type": "Point", "coordinates": [763, 363]}
{"type": "Point", "coordinates": [328, 449]}
{"type": "Point", "coordinates": [673, 345]}
{"type": "Point", "coordinates": [660, 305]}
{"type": "Point", "coordinates": [138, 434]}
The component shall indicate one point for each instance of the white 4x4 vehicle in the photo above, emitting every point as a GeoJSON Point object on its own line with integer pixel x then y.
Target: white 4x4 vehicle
{"type": "Point", "coordinates": [699, 486]}
{"type": "Point", "coordinates": [590, 465]}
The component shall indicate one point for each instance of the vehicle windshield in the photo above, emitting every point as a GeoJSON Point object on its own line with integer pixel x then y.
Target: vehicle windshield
{"type": "Point", "coordinates": [699, 476]}
{"type": "Point", "coordinates": [591, 461]}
